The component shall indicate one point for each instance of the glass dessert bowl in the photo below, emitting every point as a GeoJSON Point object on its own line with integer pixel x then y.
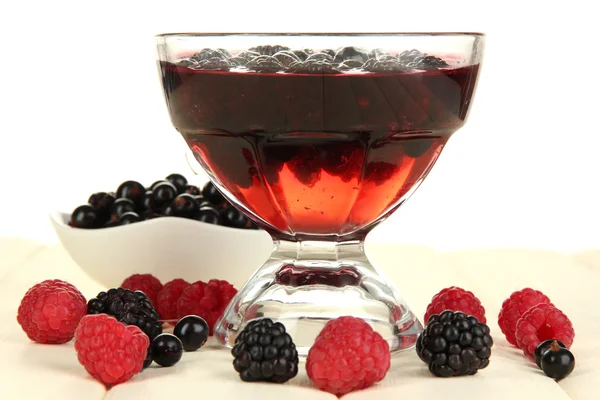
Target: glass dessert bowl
{"type": "Point", "coordinates": [318, 138]}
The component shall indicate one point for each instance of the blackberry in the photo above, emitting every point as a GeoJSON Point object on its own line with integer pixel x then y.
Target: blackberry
{"type": "Point", "coordinates": [128, 307]}
{"type": "Point", "coordinates": [263, 351]}
{"type": "Point", "coordinates": [454, 344]}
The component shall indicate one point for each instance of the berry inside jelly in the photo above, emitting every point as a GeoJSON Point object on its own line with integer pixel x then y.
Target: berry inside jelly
{"type": "Point", "coordinates": [317, 142]}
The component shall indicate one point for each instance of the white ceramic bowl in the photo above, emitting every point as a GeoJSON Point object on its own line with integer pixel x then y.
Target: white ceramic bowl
{"type": "Point", "coordinates": [166, 247]}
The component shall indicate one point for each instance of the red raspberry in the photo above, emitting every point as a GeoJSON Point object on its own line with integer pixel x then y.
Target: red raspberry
{"type": "Point", "coordinates": [543, 322]}
{"type": "Point", "coordinates": [514, 307]}
{"type": "Point", "coordinates": [50, 311]}
{"type": "Point", "coordinates": [110, 351]}
{"type": "Point", "coordinates": [166, 301]}
{"type": "Point", "coordinates": [347, 355]}
{"type": "Point", "coordinates": [206, 300]}
{"type": "Point", "coordinates": [145, 283]}
{"type": "Point", "coordinates": [456, 299]}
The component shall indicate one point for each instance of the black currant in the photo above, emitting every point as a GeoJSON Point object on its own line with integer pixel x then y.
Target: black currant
{"type": "Point", "coordinates": [193, 190]}
{"type": "Point", "coordinates": [209, 215]}
{"type": "Point", "coordinates": [133, 191]}
{"type": "Point", "coordinates": [120, 207]}
{"type": "Point", "coordinates": [192, 331]}
{"type": "Point", "coordinates": [102, 202]}
{"type": "Point", "coordinates": [184, 206]}
{"type": "Point", "coordinates": [542, 348]}
{"type": "Point", "coordinates": [85, 217]}
{"type": "Point", "coordinates": [167, 349]}
{"type": "Point", "coordinates": [212, 194]}
{"type": "Point", "coordinates": [179, 181]}
{"type": "Point", "coordinates": [129, 217]}
{"type": "Point", "coordinates": [233, 218]}
{"type": "Point", "coordinates": [557, 362]}
{"type": "Point", "coordinates": [163, 194]}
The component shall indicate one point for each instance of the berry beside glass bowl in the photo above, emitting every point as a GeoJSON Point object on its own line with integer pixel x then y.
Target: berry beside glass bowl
{"type": "Point", "coordinates": [166, 349]}
{"type": "Point", "coordinates": [193, 332]}
{"type": "Point", "coordinates": [454, 344]}
{"type": "Point", "coordinates": [265, 352]}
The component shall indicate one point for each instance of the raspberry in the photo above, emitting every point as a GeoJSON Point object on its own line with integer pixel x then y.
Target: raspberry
{"type": "Point", "coordinates": [347, 355]}
{"type": "Point", "coordinates": [456, 299]}
{"type": "Point", "coordinates": [50, 311]}
{"type": "Point", "coordinates": [166, 301]}
{"type": "Point", "coordinates": [110, 351]}
{"type": "Point", "coordinates": [514, 307]}
{"type": "Point", "coordinates": [206, 300]}
{"type": "Point", "coordinates": [145, 283]}
{"type": "Point", "coordinates": [543, 322]}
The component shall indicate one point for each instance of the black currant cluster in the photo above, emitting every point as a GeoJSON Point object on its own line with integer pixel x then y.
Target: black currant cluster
{"type": "Point", "coordinates": [170, 197]}
{"type": "Point", "coordinates": [283, 59]}
{"type": "Point", "coordinates": [553, 357]}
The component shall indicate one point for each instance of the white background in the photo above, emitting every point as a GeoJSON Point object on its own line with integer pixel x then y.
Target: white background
{"type": "Point", "coordinates": [81, 110]}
